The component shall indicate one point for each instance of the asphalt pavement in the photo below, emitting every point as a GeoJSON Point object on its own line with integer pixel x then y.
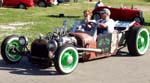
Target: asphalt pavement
{"type": "Point", "coordinates": [122, 68]}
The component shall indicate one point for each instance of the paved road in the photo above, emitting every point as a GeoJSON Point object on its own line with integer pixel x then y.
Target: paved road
{"type": "Point", "coordinates": [116, 69]}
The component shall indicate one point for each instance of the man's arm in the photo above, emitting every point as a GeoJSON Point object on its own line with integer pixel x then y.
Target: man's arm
{"type": "Point", "coordinates": [103, 25]}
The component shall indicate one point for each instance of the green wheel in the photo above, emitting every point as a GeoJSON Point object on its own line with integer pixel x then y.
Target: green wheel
{"type": "Point", "coordinates": [138, 41]}
{"type": "Point", "coordinates": [8, 51]}
{"type": "Point", "coordinates": [66, 59]}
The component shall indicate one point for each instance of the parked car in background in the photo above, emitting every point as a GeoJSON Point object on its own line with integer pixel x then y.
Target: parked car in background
{"type": "Point", "coordinates": [63, 1]}
{"type": "Point", "coordinates": [123, 14]}
{"type": "Point", "coordinates": [1, 1]}
{"type": "Point", "coordinates": [45, 3]}
{"type": "Point", "coordinates": [23, 4]}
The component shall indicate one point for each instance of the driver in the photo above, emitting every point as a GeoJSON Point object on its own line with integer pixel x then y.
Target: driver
{"type": "Point", "coordinates": [105, 24]}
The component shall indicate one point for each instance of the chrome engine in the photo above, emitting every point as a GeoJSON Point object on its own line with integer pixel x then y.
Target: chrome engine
{"type": "Point", "coordinates": [67, 39]}
{"type": "Point", "coordinates": [43, 49]}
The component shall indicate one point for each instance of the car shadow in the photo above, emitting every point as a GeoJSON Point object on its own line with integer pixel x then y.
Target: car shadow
{"type": "Point", "coordinates": [124, 54]}
{"type": "Point", "coordinates": [62, 16]}
{"type": "Point", "coordinates": [147, 24]}
{"type": "Point", "coordinates": [24, 67]}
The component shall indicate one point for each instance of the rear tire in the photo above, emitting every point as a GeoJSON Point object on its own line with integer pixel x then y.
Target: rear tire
{"type": "Point", "coordinates": [7, 52]}
{"type": "Point", "coordinates": [66, 59]}
{"type": "Point", "coordinates": [42, 3]}
{"type": "Point", "coordinates": [22, 6]}
{"type": "Point", "coordinates": [138, 41]}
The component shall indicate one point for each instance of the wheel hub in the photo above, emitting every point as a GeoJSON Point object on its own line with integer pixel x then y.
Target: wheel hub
{"type": "Point", "coordinates": [142, 41]}
{"type": "Point", "coordinates": [69, 59]}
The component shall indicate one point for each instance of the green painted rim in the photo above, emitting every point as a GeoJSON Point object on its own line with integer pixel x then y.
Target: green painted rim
{"type": "Point", "coordinates": [70, 54]}
{"type": "Point", "coordinates": [13, 56]}
{"type": "Point", "coordinates": [142, 41]}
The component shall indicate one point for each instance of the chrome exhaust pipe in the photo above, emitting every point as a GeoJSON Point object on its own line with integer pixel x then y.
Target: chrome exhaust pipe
{"type": "Point", "coordinates": [90, 50]}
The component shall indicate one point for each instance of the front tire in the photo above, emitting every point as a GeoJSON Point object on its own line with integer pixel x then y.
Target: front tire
{"type": "Point", "coordinates": [138, 41]}
{"type": "Point", "coordinates": [66, 59]}
{"type": "Point", "coordinates": [7, 49]}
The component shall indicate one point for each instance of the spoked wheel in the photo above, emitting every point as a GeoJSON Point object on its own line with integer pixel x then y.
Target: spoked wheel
{"type": "Point", "coordinates": [138, 41]}
{"type": "Point", "coordinates": [66, 59]}
{"type": "Point", "coordinates": [9, 47]}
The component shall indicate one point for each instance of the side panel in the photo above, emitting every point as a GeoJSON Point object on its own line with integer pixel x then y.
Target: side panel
{"type": "Point", "coordinates": [87, 42]}
{"type": "Point", "coordinates": [108, 43]}
{"type": "Point", "coordinates": [10, 2]}
{"type": "Point", "coordinates": [104, 42]}
{"type": "Point", "coordinates": [114, 44]}
{"type": "Point", "coordinates": [28, 3]}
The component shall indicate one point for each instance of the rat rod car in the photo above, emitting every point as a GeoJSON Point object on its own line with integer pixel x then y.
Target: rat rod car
{"type": "Point", "coordinates": [64, 47]}
{"type": "Point", "coordinates": [123, 14]}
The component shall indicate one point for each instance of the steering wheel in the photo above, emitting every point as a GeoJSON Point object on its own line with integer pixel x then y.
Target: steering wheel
{"type": "Point", "coordinates": [90, 26]}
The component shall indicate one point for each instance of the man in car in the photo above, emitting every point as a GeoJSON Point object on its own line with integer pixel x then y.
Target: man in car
{"type": "Point", "coordinates": [105, 24]}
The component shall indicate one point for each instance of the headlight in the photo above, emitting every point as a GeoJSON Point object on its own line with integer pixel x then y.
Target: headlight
{"type": "Point", "coordinates": [52, 46]}
{"type": "Point", "coordinates": [23, 40]}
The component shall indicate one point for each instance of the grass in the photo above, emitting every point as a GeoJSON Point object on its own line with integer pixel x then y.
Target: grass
{"type": "Point", "coordinates": [45, 19]}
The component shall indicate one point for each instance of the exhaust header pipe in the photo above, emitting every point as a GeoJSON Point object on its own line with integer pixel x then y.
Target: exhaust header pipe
{"type": "Point", "coordinates": [90, 50]}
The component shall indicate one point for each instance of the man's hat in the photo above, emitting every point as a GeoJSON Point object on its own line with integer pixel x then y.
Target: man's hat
{"type": "Point", "coordinates": [106, 11]}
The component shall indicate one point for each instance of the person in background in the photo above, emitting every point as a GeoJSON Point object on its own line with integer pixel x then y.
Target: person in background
{"type": "Point", "coordinates": [99, 4]}
{"type": "Point", "coordinates": [55, 2]}
{"type": "Point", "coordinates": [106, 24]}
{"type": "Point", "coordinates": [87, 14]}
{"type": "Point", "coordinates": [75, 1]}
{"type": "Point", "coordinates": [123, 6]}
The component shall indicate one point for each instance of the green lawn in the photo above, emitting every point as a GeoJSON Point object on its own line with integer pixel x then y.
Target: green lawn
{"type": "Point", "coordinates": [44, 19]}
